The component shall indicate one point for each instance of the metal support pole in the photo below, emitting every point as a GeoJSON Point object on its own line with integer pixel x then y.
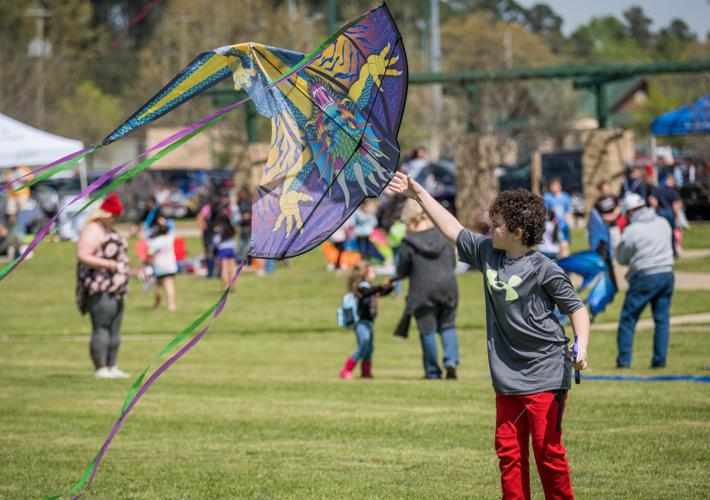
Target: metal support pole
{"type": "Point", "coordinates": [332, 16]}
{"type": "Point", "coordinates": [602, 111]}
{"type": "Point", "coordinates": [436, 91]}
{"type": "Point", "coordinates": [535, 172]}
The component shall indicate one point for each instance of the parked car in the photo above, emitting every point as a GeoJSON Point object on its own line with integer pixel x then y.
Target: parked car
{"type": "Point", "coordinates": [182, 191]}
{"type": "Point", "coordinates": [696, 198]}
{"type": "Point", "coordinates": [56, 193]}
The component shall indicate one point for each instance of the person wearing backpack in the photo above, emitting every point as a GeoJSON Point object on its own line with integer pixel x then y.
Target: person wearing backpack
{"type": "Point", "coordinates": [363, 317]}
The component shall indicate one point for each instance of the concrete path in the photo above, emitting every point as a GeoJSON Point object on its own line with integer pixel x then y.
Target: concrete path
{"type": "Point", "coordinates": [645, 324]}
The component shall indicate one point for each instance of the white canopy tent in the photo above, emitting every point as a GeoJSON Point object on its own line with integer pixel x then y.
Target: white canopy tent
{"type": "Point", "coordinates": [21, 144]}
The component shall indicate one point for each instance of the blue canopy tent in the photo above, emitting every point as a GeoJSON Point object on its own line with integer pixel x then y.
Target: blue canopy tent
{"type": "Point", "coordinates": [690, 119]}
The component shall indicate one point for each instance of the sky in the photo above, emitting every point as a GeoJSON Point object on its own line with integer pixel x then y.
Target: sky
{"type": "Point", "coordinates": [696, 13]}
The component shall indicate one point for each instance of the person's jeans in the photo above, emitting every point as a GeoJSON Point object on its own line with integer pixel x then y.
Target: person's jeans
{"type": "Point", "coordinates": [395, 259]}
{"type": "Point", "coordinates": [644, 288]}
{"type": "Point", "coordinates": [669, 215]}
{"type": "Point", "coordinates": [430, 352]}
{"type": "Point", "coordinates": [363, 245]}
{"type": "Point", "coordinates": [364, 334]}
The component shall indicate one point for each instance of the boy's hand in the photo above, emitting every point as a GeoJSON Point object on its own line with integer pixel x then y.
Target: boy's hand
{"type": "Point", "coordinates": [404, 185]}
{"type": "Point", "coordinates": [581, 362]}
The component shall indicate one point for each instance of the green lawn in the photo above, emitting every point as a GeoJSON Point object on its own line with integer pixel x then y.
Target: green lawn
{"type": "Point", "coordinates": [698, 236]}
{"type": "Point", "coordinates": [257, 410]}
{"type": "Point", "coordinates": [695, 265]}
{"type": "Point", "coordinates": [695, 238]}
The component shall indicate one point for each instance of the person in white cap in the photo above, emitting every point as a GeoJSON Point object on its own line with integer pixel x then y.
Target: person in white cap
{"type": "Point", "coordinates": [646, 248]}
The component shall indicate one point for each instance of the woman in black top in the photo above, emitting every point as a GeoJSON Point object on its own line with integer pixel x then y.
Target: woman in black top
{"type": "Point", "coordinates": [427, 259]}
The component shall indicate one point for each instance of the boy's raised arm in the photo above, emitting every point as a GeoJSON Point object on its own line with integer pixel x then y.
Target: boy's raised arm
{"type": "Point", "coordinates": [445, 222]}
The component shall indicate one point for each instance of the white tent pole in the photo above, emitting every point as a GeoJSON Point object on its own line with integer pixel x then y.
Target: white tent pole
{"type": "Point", "coordinates": [653, 149]}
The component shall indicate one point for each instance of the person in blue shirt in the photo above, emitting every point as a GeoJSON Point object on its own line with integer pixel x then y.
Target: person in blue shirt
{"type": "Point", "coordinates": [560, 203]}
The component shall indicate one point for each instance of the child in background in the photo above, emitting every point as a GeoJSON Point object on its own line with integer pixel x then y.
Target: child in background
{"type": "Point", "coordinates": [364, 222]}
{"type": "Point", "coordinates": [529, 358]}
{"type": "Point", "coordinates": [360, 284]}
{"type": "Point", "coordinates": [550, 246]}
{"type": "Point", "coordinates": [161, 249]}
{"type": "Point", "coordinates": [225, 242]}
{"type": "Point", "coordinates": [428, 260]}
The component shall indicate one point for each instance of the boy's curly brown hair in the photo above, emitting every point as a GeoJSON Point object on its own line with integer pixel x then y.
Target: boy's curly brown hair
{"type": "Point", "coordinates": [522, 209]}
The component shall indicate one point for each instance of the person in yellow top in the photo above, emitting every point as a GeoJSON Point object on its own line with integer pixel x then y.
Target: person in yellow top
{"type": "Point", "coordinates": [16, 199]}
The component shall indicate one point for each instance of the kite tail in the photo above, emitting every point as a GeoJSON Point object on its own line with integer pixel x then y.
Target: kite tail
{"type": "Point", "coordinates": [139, 388]}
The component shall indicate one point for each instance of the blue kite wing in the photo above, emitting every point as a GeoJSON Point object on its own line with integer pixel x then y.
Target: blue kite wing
{"type": "Point", "coordinates": [593, 268]}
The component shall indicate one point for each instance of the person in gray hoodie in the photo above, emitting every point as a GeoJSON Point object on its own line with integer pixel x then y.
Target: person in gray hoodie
{"type": "Point", "coordinates": [646, 248]}
{"type": "Point", "coordinates": [427, 259]}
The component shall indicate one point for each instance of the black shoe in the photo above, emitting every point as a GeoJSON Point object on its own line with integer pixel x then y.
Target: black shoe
{"type": "Point", "coordinates": [620, 365]}
{"type": "Point", "coordinates": [450, 372]}
{"type": "Point", "coordinates": [658, 365]}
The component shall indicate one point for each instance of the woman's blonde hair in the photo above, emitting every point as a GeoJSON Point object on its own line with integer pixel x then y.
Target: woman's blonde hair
{"type": "Point", "coordinates": [358, 274]}
{"type": "Point", "coordinates": [413, 214]}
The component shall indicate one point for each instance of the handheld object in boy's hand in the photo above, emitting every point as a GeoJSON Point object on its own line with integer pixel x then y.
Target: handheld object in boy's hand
{"type": "Point", "coordinates": [575, 353]}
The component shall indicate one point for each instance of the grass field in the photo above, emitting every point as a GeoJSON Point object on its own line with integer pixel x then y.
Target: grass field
{"type": "Point", "coordinates": [256, 409]}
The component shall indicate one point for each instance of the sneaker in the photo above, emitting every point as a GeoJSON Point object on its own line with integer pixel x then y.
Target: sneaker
{"type": "Point", "coordinates": [621, 365]}
{"type": "Point", "coordinates": [103, 372]}
{"type": "Point", "coordinates": [116, 372]}
{"type": "Point", "coordinates": [450, 372]}
{"type": "Point", "coordinates": [662, 364]}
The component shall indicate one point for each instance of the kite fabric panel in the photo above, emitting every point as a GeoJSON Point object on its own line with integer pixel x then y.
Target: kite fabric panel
{"type": "Point", "coordinates": [596, 270]}
{"type": "Point", "coordinates": [334, 133]}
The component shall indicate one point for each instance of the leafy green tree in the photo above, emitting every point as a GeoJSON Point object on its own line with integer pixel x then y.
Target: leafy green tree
{"type": "Point", "coordinates": [89, 113]}
{"type": "Point", "coordinates": [605, 39]}
{"type": "Point", "coordinates": [674, 39]}
{"type": "Point", "coordinates": [542, 19]}
{"type": "Point", "coordinates": [639, 26]}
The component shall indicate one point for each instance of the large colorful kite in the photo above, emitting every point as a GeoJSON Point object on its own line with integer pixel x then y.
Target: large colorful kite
{"type": "Point", "coordinates": [335, 115]}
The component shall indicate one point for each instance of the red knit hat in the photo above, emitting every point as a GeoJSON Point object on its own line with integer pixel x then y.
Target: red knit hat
{"type": "Point", "coordinates": [112, 204]}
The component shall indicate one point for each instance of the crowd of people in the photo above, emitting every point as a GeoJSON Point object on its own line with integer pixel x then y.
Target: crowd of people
{"type": "Point", "coordinates": [525, 290]}
{"type": "Point", "coordinates": [644, 225]}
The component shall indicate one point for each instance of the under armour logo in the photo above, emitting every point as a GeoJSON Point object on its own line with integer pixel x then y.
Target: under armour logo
{"type": "Point", "coordinates": [493, 282]}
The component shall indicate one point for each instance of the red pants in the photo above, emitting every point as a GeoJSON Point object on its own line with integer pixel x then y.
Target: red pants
{"type": "Point", "coordinates": [518, 418]}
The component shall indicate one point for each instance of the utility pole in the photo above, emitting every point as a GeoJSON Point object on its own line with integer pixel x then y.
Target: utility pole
{"type": "Point", "coordinates": [436, 90]}
{"type": "Point", "coordinates": [508, 49]}
{"type": "Point", "coordinates": [332, 16]}
{"type": "Point", "coordinates": [39, 48]}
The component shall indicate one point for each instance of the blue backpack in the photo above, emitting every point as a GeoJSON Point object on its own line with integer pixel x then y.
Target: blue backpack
{"type": "Point", "coordinates": [347, 312]}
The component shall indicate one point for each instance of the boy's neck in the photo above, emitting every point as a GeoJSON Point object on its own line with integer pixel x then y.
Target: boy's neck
{"type": "Point", "coordinates": [517, 251]}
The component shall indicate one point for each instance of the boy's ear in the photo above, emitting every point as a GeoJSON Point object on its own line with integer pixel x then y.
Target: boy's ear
{"type": "Point", "coordinates": [518, 233]}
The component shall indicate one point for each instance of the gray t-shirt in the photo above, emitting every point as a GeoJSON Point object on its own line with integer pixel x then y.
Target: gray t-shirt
{"type": "Point", "coordinates": [527, 346]}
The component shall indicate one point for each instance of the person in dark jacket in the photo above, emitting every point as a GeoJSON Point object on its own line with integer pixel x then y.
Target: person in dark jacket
{"type": "Point", "coordinates": [429, 262]}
